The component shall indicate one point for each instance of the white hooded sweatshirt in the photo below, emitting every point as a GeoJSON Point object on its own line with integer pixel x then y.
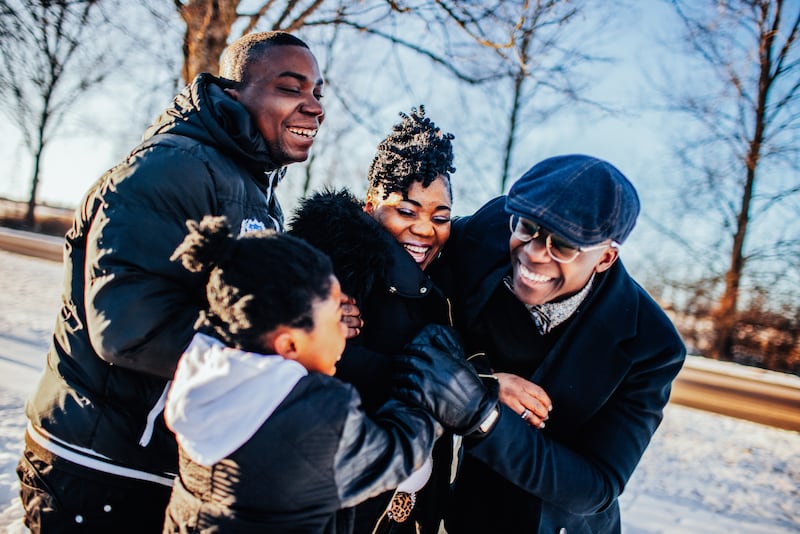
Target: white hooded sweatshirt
{"type": "Point", "coordinates": [220, 396]}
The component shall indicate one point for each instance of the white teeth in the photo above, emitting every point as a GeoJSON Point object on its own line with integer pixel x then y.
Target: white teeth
{"type": "Point", "coordinates": [304, 132]}
{"type": "Point", "coordinates": [532, 276]}
{"type": "Point", "coordinates": [419, 253]}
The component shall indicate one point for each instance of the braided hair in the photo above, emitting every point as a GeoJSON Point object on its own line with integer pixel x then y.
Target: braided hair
{"type": "Point", "coordinates": [255, 283]}
{"type": "Point", "coordinates": [415, 150]}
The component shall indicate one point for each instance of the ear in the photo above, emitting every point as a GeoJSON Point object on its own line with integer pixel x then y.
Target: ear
{"type": "Point", "coordinates": [282, 342]}
{"type": "Point", "coordinates": [231, 92]}
{"type": "Point", "coordinates": [369, 204]}
{"type": "Point", "coordinates": [607, 259]}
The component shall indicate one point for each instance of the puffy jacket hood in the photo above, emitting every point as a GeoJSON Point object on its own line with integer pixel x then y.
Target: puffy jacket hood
{"type": "Point", "coordinates": [221, 396]}
{"type": "Point", "coordinates": [203, 111]}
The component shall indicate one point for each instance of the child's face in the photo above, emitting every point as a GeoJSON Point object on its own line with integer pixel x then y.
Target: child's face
{"type": "Point", "coordinates": [320, 349]}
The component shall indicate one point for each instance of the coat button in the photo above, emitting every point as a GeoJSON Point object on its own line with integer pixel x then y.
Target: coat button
{"type": "Point", "coordinates": [562, 530]}
{"type": "Point", "coordinates": [423, 290]}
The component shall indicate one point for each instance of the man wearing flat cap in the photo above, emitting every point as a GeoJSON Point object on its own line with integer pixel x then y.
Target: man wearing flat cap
{"type": "Point", "coordinates": [583, 356]}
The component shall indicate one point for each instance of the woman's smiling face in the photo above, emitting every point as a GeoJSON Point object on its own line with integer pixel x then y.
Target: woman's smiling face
{"type": "Point", "coordinates": [420, 222]}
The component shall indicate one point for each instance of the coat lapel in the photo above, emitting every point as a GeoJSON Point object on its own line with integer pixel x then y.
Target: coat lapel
{"type": "Point", "coordinates": [589, 360]}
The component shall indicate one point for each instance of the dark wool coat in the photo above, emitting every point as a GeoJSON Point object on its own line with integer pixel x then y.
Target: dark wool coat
{"type": "Point", "coordinates": [127, 310]}
{"type": "Point", "coordinates": [608, 371]}
{"type": "Point", "coordinates": [396, 299]}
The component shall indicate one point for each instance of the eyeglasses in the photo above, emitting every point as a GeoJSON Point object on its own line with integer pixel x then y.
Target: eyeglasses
{"type": "Point", "coordinates": [558, 249]}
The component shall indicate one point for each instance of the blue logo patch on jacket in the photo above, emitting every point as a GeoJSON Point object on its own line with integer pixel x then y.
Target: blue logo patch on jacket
{"type": "Point", "coordinates": [251, 225]}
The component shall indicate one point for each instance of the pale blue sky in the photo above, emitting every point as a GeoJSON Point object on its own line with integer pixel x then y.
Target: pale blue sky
{"type": "Point", "coordinates": [73, 163]}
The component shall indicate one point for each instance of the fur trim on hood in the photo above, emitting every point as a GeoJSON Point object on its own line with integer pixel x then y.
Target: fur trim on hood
{"type": "Point", "coordinates": [362, 251]}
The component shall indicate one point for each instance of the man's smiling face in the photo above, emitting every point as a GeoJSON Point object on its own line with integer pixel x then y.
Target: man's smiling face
{"type": "Point", "coordinates": [538, 279]}
{"type": "Point", "coordinates": [282, 92]}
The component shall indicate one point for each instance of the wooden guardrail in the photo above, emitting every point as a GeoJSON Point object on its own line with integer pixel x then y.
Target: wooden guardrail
{"type": "Point", "coordinates": [32, 244]}
{"type": "Point", "coordinates": [757, 395]}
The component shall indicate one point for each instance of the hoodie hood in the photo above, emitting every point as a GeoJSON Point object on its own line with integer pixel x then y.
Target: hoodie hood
{"type": "Point", "coordinates": [221, 396]}
{"type": "Point", "coordinates": [203, 111]}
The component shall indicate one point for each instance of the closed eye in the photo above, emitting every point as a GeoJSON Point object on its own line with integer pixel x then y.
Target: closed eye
{"type": "Point", "coordinates": [561, 245]}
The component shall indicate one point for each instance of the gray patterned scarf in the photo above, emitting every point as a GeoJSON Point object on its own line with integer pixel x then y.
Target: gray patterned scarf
{"type": "Point", "coordinates": [551, 314]}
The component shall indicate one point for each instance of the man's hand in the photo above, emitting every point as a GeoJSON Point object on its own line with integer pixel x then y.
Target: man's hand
{"type": "Point", "coordinates": [351, 316]}
{"type": "Point", "coordinates": [526, 398]}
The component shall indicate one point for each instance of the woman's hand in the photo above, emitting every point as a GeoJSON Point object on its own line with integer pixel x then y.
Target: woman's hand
{"type": "Point", "coordinates": [525, 398]}
{"type": "Point", "coordinates": [351, 316]}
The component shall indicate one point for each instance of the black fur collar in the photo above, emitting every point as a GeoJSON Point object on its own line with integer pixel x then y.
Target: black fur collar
{"type": "Point", "coordinates": [362, 251]}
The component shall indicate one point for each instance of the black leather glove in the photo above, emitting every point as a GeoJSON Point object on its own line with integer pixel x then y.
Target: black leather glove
{"type": "Point", "coordinates": [433, 374]}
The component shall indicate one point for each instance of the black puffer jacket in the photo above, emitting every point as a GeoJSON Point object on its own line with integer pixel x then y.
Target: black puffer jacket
{"type": "Point", "coordinates": [127, 310]}
{"type": "Point", "coordinates": [396, 299]}
{"type": "Point", "coordinates": [300, 452]}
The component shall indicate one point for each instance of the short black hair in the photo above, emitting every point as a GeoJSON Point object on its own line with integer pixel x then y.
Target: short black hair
{"type": "Point", "coordinates": [256, 282]}
{"type": "Point", "coordinates": [249, 49]}
{"type": "Point", "coordinates": [416, 150]}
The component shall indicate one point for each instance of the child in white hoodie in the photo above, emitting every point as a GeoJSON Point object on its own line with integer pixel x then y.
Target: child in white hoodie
{"type": "Point", "coordinates": [269, 440]}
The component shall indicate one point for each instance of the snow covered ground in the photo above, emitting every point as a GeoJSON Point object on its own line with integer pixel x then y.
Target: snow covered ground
{"type": "Point", "coordinates": [703, 473]}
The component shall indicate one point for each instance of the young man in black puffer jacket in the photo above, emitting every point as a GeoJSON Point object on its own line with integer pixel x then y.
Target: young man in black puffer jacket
{"type": "Point", "coordinates": [98, 456]}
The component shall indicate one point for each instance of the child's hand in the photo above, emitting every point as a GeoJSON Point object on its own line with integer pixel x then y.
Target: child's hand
{"type": "Point", "coordinates": [526, 398]}
{"type": "Point", "coordinates": [432, 373]}
{"type": "Point", "coordinates": [351, 316]}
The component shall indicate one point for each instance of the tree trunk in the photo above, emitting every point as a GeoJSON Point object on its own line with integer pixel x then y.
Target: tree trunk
{"type": "Point", "coordinates": [514, 112]}
{"type": "Point", "coordinates": [30, 214]}
{"type": "Point", "coordinates": [208, 26]}
{"type": "Point", "coordinates": [309, 175]}
{"type": "Point", "coordinates": [516, 107]}
{"type": "Point", "coordinates": [725, 315]}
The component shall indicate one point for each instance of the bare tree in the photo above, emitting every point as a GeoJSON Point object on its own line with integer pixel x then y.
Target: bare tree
{"type": "Point", "coordinates": [541, 67]}
{"type": "Point", "coordinates": [46, 64]}
{"type": "Point", "coordinates": [740, 145]}
{"type": "Point", "coordinates": [209, 24]}
{"type": "Point", "coordinates": [473, 43]}
{"type": "Point", "coordinates": [49, 59]}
